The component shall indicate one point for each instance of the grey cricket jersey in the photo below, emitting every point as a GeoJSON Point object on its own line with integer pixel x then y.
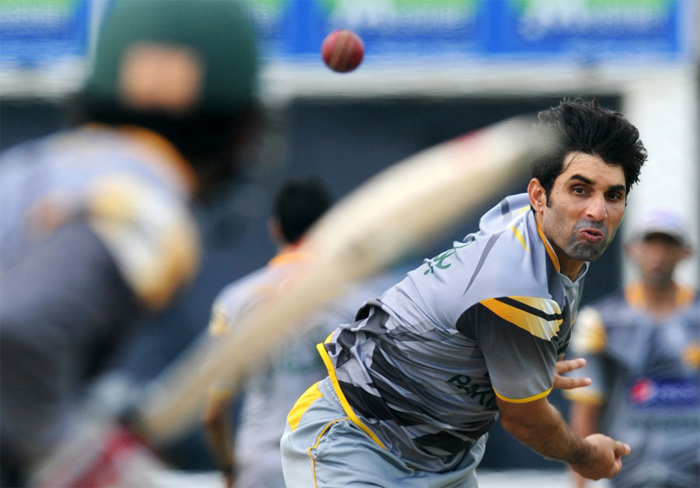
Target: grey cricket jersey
{"type": "Point", "coordinates": [272, 388]}
{"type": "Point", "coordinates": [646, 379]}
{"type": "Point", "coordinates": [128, 185]}
{"type": "Point", "coordinates": [95, 227]}
{"type": "Point", "coordinates": [421, 367]}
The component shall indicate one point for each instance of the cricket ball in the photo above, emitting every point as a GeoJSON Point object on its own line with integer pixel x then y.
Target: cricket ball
{"type": "Point", "coordinates": [342, 50]}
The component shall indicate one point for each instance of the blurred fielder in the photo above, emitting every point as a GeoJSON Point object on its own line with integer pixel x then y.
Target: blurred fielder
{"type": "Point", "coordinates": [96, 227]}
{"type": "Point", "coordinates": [642, 347]}
{"type": "Point", "coordinates": [253, 459]}
{"type": "Point", "coordinates": [416, 383]}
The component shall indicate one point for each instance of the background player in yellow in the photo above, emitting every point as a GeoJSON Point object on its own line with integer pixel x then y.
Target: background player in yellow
{"type": "Point", "coordinates": [642, 347]}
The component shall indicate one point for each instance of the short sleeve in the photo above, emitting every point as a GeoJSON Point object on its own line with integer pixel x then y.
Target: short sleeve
{"type": "Point", "coordinates": [515, 335]}
{"type": "Point", "coordinates": [150, 234]}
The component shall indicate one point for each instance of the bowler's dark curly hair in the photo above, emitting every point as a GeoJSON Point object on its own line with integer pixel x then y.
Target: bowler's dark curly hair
{"type": "Point", "coordinates": [584, 126]}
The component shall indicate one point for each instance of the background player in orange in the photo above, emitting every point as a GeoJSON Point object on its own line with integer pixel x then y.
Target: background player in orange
{"type": "Point", "coordinates": [251, 458]}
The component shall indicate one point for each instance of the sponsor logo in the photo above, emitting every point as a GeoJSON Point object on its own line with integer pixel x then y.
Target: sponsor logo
{"type": "Point", "coordinates": [648, 392]}
{"type": "Point", "coordinates": [481, 393]}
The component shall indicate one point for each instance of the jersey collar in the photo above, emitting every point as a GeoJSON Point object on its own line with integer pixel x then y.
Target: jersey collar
{"type": "Point", "coordinates": [158, 153]}
{"type": "Point", "coordinates": [634, 294]}
{"type": "Point", "coordinates": [288, 254]}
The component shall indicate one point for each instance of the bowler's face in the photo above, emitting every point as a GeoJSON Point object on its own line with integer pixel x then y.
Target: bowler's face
{"type": "Point", "coordinates": [585, 208]}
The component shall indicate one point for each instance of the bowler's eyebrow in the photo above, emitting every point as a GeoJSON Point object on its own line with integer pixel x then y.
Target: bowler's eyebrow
{"type": "Point", "coordinates": [581, 178]}
{"type": "Point", "coordinates": [591, 182]}
{"type": "Point", "coordinates": [616, 188]}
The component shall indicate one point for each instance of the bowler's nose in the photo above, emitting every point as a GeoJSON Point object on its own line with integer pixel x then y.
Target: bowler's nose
{"type": "Point", "coordinates": [597, 209]}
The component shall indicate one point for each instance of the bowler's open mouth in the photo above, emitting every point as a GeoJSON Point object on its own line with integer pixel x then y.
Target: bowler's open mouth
{"type": "Point", "coordinates": [592, 235]}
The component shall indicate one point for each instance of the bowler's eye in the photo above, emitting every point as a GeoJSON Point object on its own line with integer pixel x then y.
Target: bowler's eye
{"type": "Point", "coordinates": [615, 196]}
{"type": "Point", "coordinates": [579, 190]}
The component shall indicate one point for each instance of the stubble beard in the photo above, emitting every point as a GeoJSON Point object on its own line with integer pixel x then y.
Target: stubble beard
{"type": "Point", "coordinates": [581, 250]}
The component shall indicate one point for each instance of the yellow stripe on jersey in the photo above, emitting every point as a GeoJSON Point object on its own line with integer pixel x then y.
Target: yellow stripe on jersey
{"type": "Point", "coordinates": [302, 404]}
{"type": "Point", "coordinates": [584, 395]}
{"type": "Point", "coordinates": [221, 394]}
{"type": "Point", "coordinates": [344, 401]}
{"type": "Point", "coordinates": [550, 251]}
{"type": "Point", "coordinates": [315, 446]}
{"type": "Point", "coordinates": [218, 324]}
{"type": "Point", "coordinates": [157, 151]}
{"type": "Point", "coordinates": [589, 335]}
{"type": "Point", "coordinates": [519, 237]}
{"type": "Point", "coordinates": [523, 400]}
{"type": "Point", "coordinates": [288, 255]}
{"type": "Point", "coordinates": [691, 355]}
{"type": "Point", "coordinates": [684, 295]}
{"type": "Point", "coordinates": [153, 240]}
{"type": "Point", "coordinates": [541, 317]}
{"type": "Point", "coordinates": [634, 294]}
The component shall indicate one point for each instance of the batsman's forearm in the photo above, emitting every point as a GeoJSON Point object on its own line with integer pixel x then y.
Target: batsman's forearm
{"type": "Point", "coordinates": [547, 433]}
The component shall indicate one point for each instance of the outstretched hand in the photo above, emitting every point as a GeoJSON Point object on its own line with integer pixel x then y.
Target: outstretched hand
{"type": "Point", "coordinates": [605, 458]}
{"type": "Point", "coordinates": [566, 383]}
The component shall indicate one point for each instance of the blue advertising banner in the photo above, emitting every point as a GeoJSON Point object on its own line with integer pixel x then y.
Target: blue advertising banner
{"type": "Point", "coordinates": [589, 29]}
{"type": "Point", "coordinates": [42, 32]}
{"type": "Point", "coordinates": [35, 32]}
{"type": "Point", "coordinates": [444, 29]}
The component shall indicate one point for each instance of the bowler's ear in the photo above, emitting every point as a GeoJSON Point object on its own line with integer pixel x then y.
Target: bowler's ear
{"type": "Point", "coordinates": [538, 196]}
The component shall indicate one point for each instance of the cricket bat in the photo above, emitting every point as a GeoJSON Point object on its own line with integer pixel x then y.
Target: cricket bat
{"type": "Point", "coordinates": [392, 214]}
{"type": "Point", "coordinates": [396, 212]}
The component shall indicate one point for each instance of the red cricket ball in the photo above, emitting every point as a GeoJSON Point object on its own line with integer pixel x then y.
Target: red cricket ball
{"type": "Point", "coordinates": [342, 50]}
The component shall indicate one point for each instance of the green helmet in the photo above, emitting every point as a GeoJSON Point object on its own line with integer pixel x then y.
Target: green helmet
{"type": "Point", "coordinates": [180, 56]}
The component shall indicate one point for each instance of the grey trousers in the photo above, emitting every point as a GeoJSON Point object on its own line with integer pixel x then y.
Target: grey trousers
{"type": "Point", "coordinates": [325, 449]}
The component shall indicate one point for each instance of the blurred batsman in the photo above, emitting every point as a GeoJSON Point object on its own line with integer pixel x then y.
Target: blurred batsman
{"type": "Point", "coordinates": [97, 226]}
{"type": "Point", "coordinates": [642, 346]}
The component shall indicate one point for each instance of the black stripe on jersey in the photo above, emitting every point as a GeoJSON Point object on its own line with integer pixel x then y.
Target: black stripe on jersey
{"type": "Point", "coordinates": [469, 318]}
{"type": "Point", "coordinates": [531, 310]}
{"type": "Point", "coordinates": [505, 208]}
{"type": "Point", "coordinates": [454, 442]}
{"type": "Point", "coordinates": [487, 249]}
{"type": "Point", "coordinates": [373, 407]}
{"type": "Point", "coordinates": [386, 379]}
{"type": "Point", "coordinates": [364, 403]}
{"type": "Point", "coordinates": [480, 314]}
{"type": "Point", "coordinates": [345, 339]}
{"type": "Point", "coordinates": [443, 442]}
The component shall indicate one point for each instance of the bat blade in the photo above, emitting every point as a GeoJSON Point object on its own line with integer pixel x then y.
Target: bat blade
{"type": "Point", "coordinates": [392, 214]}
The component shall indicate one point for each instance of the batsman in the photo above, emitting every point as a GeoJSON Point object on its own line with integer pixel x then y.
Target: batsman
{"type": "Point", "coordinates": [98, 228]}
{"type": "Point", "coordinates": [475, 334]}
